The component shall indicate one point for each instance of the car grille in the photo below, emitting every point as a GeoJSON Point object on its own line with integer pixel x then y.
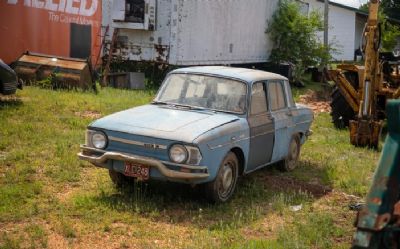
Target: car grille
{"type": "Point", "coordinates": [138, 145]}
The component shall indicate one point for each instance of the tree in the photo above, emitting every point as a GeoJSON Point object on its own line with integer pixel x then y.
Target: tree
{"type": "Point", "coordinates": [295, 37]}
{"type": "Point", "coordinates": [391, 8]}
{"type": "Point", "coordinates": [390, 31]}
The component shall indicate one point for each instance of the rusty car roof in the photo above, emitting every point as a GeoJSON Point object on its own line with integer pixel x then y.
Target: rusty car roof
{"type": "Point", "coordinates": [245, 74]}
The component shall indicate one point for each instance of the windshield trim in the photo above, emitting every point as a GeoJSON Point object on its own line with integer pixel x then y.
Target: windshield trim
{"type": "Point", "coordinates": [155, 100]}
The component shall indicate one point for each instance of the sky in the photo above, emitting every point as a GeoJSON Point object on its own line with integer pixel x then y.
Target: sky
{"type": "Point", "coordinates": [352, 3]}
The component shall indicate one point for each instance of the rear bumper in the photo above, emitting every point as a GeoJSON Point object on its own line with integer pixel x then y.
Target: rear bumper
{"type": "Point", "coordinates": [99, 158]}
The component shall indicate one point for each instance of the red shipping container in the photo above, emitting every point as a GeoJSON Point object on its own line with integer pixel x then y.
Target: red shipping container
{"type": "Point", "coordinates": [68, 28]}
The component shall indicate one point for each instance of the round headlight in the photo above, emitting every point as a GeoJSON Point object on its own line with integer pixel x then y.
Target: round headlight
{"type": "Point", "coordinates": [178, 153]}
{"type": "Point", "coordinates": [99, 140]}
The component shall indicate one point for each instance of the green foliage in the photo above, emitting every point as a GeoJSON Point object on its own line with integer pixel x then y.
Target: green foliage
{"type": "Point", "coordinates": [46, 83]}
{"type": "Point", "coordinates": [295, 37]}
{"type": "Point", "coordinates": [390, 32]}
{"type": "Point", "coordinates": [391, 8]}
{"type": "Point", "coordinates": [364, 7]}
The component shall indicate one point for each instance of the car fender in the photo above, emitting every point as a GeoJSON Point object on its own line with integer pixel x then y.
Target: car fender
{"type": "Point", "coordinates": [216, 143]}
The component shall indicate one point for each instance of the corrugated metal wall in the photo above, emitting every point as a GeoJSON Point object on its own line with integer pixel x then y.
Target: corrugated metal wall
{"type": "Point", "coordinates": [194, 32]}
{"type": "Point", "coordinates": [204, 32]}
{"type": "Point", "coordinates": [223, 31]}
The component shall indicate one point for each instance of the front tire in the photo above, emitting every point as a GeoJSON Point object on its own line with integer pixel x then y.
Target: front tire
{"type": "Point", "coordinates": [120, 180]}
{"type": "Point", "coordinates": [221, 189]}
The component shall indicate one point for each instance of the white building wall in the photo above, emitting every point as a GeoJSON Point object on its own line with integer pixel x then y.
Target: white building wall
{"type": "Point", "coordinates": [342, 26]}
{"type": "Point", "coordinates": [360, 24]}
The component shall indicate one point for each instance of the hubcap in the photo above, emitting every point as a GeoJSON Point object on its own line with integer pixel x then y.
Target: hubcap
{"type": "Point", "coordinates": [226, 179]}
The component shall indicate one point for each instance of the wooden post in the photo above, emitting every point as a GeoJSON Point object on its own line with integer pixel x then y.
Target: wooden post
{"type": "Point", "coordinates": [107, 67]}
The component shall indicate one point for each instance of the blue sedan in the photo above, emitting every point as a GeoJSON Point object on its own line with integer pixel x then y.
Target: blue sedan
{"type": "Point", "coordinates": [206, 126]}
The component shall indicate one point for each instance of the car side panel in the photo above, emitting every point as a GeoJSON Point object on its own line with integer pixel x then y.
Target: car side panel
{"type": "Point", "coordinates": [282, 137]}
{"type": "Point", "coordinates": [216, 143]}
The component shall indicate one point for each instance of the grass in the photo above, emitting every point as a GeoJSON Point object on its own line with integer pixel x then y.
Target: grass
{"type": "Point", "coordinates": [50, 199]}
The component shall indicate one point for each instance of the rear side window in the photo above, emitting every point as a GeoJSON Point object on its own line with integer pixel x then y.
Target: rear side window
{"type": "Point", "coordinates": [290, 96]}
{"type": "Point", "coordinates": [258, 99]}
{"type": "Point", "coordinates": [276, 95]}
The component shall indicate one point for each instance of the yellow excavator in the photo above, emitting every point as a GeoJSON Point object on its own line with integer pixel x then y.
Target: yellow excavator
{"type": "Point", "coordinates": [361, 92]}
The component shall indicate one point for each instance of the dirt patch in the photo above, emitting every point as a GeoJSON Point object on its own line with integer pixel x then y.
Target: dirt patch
{"type": "Point", "coordinates": [55, 240]}
{"type": "Point", "coordinates": [65, 192]}
{"type": "Point", "coordinates": [284, 183]}
{"type": "Point", "coordinates": [317, 101]}
{"type": "Point", "coordinates": [88, 114]}
{"type": "Point", "coordinates": [337, 199]}
{"type": "Point", "coordinates": [269, 227]}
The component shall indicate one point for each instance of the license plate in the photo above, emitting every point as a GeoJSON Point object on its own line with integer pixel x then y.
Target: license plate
{"type": "Point", "coordinates": [137, 170]}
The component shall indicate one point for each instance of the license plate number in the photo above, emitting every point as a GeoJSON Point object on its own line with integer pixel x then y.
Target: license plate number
{"type": "Point", "coordinates": [137, 170]}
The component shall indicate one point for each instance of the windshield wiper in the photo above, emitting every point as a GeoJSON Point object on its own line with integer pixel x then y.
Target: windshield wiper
{"type": "Point", "coordinates": [160, 103]}
{"type": "Point", "coordinates": [175, 105]}
{"type": "Point", "coordinates": [196, 108]}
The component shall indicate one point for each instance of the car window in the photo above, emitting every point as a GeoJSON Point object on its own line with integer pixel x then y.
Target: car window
{"type": "Point", "coordinates": [173, 93]}
{"type": "Point", "coordinates": [210, 92]}
{"type": "Point", "coordinates": [276, 95]}
{"type": "Point", "coordinates": [258, 99]}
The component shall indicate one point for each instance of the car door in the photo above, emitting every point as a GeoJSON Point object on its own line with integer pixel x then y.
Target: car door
{"type": "Point", "coordinates": [282, 116]}
{"type": "Point", "coordinates": [261, 125]}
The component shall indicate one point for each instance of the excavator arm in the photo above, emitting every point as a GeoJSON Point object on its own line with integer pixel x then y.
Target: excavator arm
{"type": "Point", "coordinates": [365, 130]}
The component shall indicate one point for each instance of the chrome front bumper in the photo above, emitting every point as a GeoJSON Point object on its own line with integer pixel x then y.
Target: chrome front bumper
{"type": "Point", "coordinates": [100, 158]}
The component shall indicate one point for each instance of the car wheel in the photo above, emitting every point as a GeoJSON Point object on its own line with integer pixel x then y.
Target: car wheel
{"type": "Point", "coordinates": [291, 160]}
{"type": "Point", "coordinates": [119, 179]}
{"type": "Point", "coordinates": [223, 186]}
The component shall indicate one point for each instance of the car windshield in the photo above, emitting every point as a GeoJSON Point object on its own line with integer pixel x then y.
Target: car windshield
{"type": "Point", "coordinates": [201, 91]}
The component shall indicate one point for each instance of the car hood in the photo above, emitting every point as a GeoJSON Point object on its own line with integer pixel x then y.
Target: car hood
{"type": "Point", "coordinates": [164, 122]}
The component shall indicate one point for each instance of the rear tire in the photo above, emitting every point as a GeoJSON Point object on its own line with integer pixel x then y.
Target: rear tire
{"type": "Point", "coordinates": [221, 189]}
{"type": "Point", "coordinates": [292, 158]}
{"type": "Point", "coordinates": [341, 112]}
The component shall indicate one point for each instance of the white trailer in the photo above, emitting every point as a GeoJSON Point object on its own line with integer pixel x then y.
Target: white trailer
{"type": "Point", "coordinates": [191, 32]}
